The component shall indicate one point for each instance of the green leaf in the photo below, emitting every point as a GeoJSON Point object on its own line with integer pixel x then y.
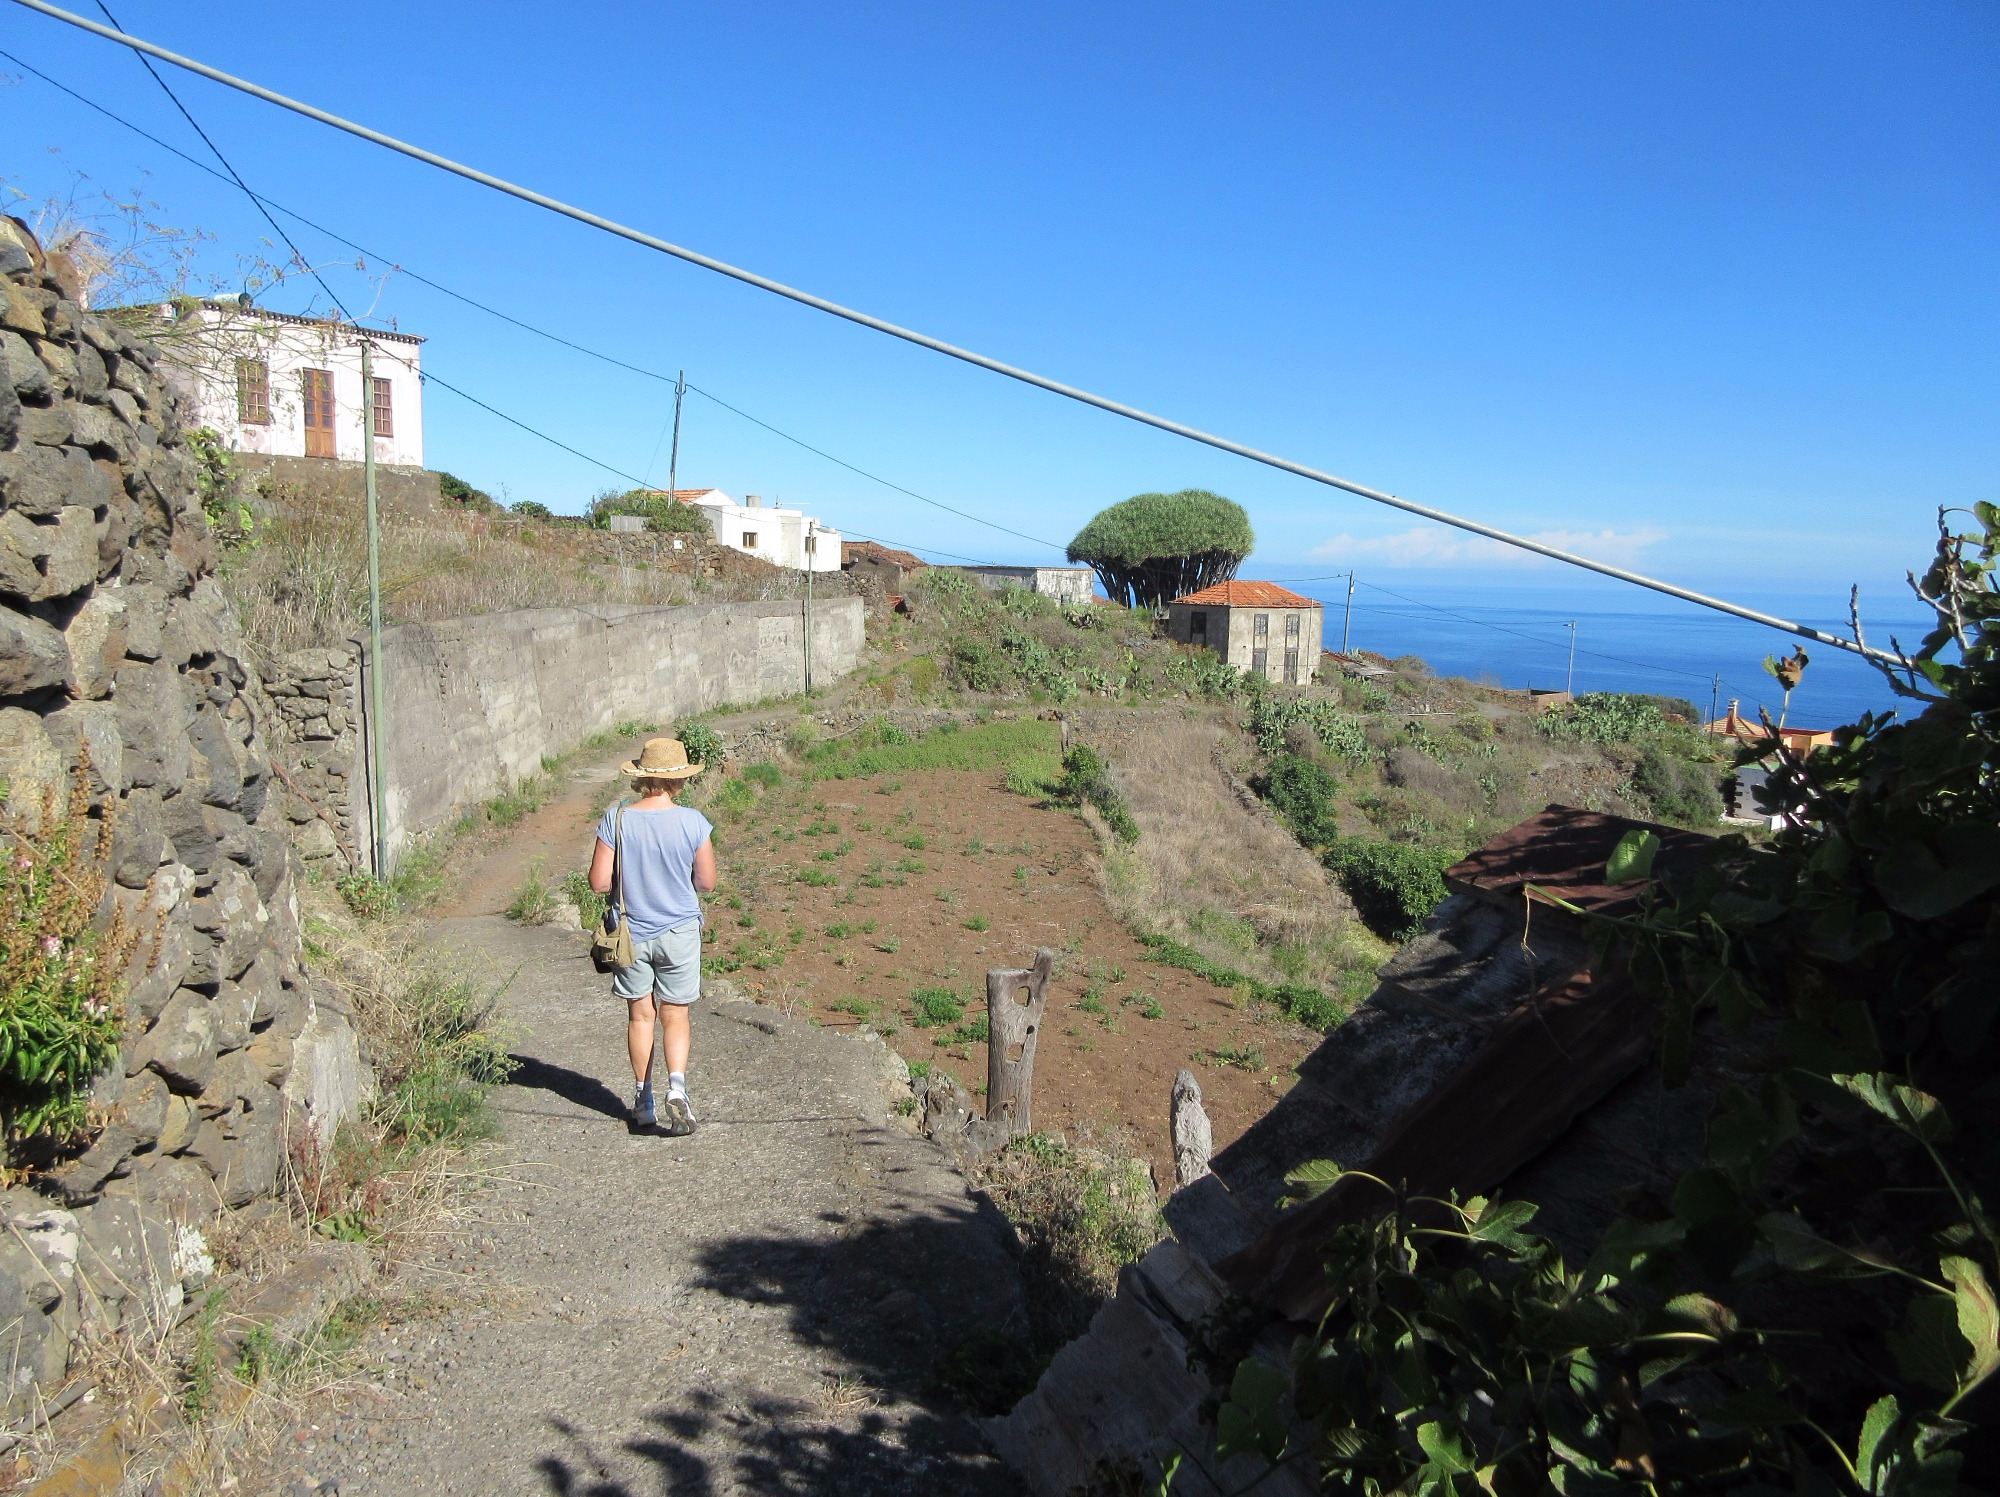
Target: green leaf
{"type": "Point", "coordinates": [1253, 1416]}
{"type": "Point", "coordinates": [1928, 1349]}
{"type": "Point", "coordinates": [1925, 882]}
{"type": "Point", "coordinates": [1978, 1315]}
{"type": "Point", "coordinates": [1881, 1418]}
{"type": "Point", "coordinates": [1445, 1447]}
{"type": "Point", "coordinates": [1796, 1246]}
{"type": "Point", "coordinates": [1632, 859]}
{"type": "Point", "coordinates": [1501, 1221]}
{"type": "Point", "coordinates": [1698, 1312]}
{"type": "Point", "coordinates": [1915, 1112]}
{"type": "Point", "coordinates": [1310, 1179]}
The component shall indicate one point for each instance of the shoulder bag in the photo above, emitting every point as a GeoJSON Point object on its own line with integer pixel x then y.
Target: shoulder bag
{"type": "Point", "coordinates": [611, 939]}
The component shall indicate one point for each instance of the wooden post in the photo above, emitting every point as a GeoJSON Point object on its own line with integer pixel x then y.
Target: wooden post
{"type": "Point", "coordinates": [1015, 998]}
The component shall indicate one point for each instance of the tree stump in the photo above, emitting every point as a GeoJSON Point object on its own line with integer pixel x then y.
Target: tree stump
{"type": "Point", "coordinates": [1015, 998]}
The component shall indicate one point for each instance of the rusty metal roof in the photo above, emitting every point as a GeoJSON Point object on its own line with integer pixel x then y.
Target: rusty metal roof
{"type": "Point", "coordinates": [1563, 851]}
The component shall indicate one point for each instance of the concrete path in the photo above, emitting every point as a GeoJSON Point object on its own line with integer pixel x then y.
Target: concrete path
{"type": "Point", "coordinates": [761, 1307]}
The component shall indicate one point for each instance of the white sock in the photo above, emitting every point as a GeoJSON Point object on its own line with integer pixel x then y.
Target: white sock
{"type": "Point", "coordinates": [677, 1083]}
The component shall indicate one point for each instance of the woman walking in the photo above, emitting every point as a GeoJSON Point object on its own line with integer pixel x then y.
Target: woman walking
{"type": "Point", "coordinates": [664, 861]}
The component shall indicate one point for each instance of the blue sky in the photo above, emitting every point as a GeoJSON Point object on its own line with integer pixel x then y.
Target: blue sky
{"type": "Point", "coordinates": [1704, 288]}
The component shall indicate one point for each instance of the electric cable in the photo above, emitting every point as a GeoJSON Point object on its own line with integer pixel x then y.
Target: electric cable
{"type": "Point", "coordinates": [938, 345]}
{"type": "Point", "coordinates": [277, 228]}
{"type": "Point", "coordinates": [264, 203]}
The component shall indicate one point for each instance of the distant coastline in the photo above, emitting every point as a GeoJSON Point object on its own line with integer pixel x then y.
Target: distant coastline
{"type": "Point", "coordinates": [1519, 639]}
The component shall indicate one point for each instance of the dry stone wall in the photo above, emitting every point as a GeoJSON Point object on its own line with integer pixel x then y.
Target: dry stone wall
{"type": "Point", "coordinates": [115, 639]}
{"type": "Point", "coordinates": [318, 733]}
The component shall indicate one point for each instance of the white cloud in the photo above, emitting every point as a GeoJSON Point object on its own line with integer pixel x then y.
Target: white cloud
{"type": "Point", "coordinates": [1442, 546]}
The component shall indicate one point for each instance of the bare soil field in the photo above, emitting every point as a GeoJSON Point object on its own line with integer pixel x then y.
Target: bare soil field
{"type": "Point", "coordinates": [884, 900]}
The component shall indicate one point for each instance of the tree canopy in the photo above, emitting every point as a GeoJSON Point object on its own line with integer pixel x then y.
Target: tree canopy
{"type": "Point", "coordinates": [1154, 547]}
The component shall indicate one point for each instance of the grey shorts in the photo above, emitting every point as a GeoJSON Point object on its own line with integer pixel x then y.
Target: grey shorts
{"type": "Point", "coordinates": [667, 967]}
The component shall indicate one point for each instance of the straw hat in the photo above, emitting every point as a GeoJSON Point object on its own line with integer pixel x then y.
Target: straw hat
{"type": "Point", "coordinates": [661, 759]}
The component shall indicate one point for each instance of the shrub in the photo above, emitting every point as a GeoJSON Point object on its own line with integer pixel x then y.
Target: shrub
{"type": "Point", "coordinates": [936, 1007]}
{"type": "Point", "coordinates": [533, 898]}
{"type": "Point", "coordinates": [975, 667]}
{"type": "Point", "coordinates": [457, 491]}
{"type": "Point", "coordinates": [61, 1014]}
{"type": "Point", "coordinates": [1394, 885]}
{"type": "Point", "coordinates": [1086, 779]}
{"type": "Point", "coordinates": [703, 743]}
{"type": "Point", "coordinates": [1604, 717]}
{"type": "Point", "coordinates": [1341, 735]}
{"type": "Point", "coordinates": [1675, 789]}
{"type": "Point", "coordinates": [589, 903]}
{"type": "Point", "coordinates": [1302, 792]}
{"type": "Point", "coordinates": [661, 512]}
{"type": "Point", "coordinates": [532, 509]}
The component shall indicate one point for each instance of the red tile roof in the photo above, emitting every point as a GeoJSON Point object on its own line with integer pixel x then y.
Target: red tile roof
{"type": "Point", "coordinates": [1248, 595]}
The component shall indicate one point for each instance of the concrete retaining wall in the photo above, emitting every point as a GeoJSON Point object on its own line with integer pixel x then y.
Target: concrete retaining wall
{"type": "Point", "coordinates": [472, 705]}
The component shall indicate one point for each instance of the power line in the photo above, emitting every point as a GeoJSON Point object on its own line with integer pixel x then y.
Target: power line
{"type": "Point", "coordinates": [263, 203]}
{"type": "Point", "coordinates": [938, 345]}
{"type": "Point", "coordinates": [277, 228]}
{"type": "Point", "coordinates": [990, 524]}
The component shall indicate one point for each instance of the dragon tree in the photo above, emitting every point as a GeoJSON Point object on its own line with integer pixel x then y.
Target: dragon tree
{"type": "Point", "coordinates": [1152, 548]}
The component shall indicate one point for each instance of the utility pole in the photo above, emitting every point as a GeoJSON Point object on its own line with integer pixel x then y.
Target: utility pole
{"type": "Point", "coordinates": [378, 795]}
{"type": "Point", "coordinates": [1347, 625]}
{"type": "Point", "coordinates": [1715, 697]}
{"type": "Point", "coordinates": [1569, 680]}
{"type": "Point", "coordinates": [674, 453]}
{"type": "Point", "coordinates": [812, 548]}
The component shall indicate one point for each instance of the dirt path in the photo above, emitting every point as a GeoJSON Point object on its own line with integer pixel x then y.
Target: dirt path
{"type": "Point", "coordinates": [763, 1307]}
{"type": "Point", "coordinates": [844, 900]}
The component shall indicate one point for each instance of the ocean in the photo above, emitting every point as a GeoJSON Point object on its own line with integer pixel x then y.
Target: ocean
{"type": "Point", "coordinates": [1518, 637]}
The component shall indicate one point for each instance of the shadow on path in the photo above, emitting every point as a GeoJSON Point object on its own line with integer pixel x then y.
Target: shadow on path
{"type": "Point", "coordinates": [586, 1092]}
{"type": "Point", "coordinates": [890, 1309]}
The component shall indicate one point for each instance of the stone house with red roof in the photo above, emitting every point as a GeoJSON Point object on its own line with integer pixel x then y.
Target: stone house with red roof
{"type": "Point", "coordinates": [1256, 626]}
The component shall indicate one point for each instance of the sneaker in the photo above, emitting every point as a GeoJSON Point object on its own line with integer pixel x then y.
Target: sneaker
{"type": "Point", "coordinates": [680, 1115]}
{"type": "Point", "coordinates": [643, 1114]}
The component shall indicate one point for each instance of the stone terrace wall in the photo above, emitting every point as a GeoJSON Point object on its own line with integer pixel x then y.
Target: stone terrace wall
{"type": "Point", "coordinates": [318, 735]}
{"type": "Point", "coordinates": [472, 705]}
{"type": "Point", "coordinates": [114, 636]}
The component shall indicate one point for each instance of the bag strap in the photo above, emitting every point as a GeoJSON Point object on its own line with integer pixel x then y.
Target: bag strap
{"type": "Point", "coordinates": [617, 849]}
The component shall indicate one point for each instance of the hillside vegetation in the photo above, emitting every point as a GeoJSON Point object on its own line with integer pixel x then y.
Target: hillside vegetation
{"type": "Point", "coordinates": [1373, 787]}
{"type": "Point", "coordinates": [297, 569]}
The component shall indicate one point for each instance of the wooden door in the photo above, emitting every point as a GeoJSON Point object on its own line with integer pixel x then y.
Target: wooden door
{"type": "Point", "coordinates": [1260, 645]}
{"type": "Point", "coordinates": [1292, 649]}
{"type": "Point", "coordinates": [318, 392]}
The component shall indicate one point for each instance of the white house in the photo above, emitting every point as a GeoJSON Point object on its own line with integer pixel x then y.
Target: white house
{"type": "Point", "coordinates": [287, 386]}
{"type": "Point", "coordinates": [783, 537]}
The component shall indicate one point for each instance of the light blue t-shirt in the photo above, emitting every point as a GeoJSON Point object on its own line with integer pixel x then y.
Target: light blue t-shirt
{"type": "Point", "coordinates": [656, 865]}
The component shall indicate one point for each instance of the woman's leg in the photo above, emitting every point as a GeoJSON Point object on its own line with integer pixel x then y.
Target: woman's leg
{"type": "Point", "coordinates": [676, 1036]}
{"type": "Point", "coordinates": [639, 1039]}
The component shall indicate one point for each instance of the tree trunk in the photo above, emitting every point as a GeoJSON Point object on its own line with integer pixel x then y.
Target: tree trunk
{"type": "Point", "coordinates": [1015, 998]}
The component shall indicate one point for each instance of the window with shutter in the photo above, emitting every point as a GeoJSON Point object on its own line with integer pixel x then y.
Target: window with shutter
{"type": "Point", "coordinates": [253, 392]}
{"type": "Point", "coordinates": [385, 410]}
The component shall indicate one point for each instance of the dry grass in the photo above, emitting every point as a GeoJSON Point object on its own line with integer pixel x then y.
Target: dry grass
{"type": "Point", "coordinates": [1207, 870]}
{"type": "Point", "coordinates": [305, 583]}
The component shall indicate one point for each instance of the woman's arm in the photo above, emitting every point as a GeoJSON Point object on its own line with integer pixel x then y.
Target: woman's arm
{"type": "Point", "coordinates": [600, 869]}
{"type": "Point", "coordinates": [703, 872]}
